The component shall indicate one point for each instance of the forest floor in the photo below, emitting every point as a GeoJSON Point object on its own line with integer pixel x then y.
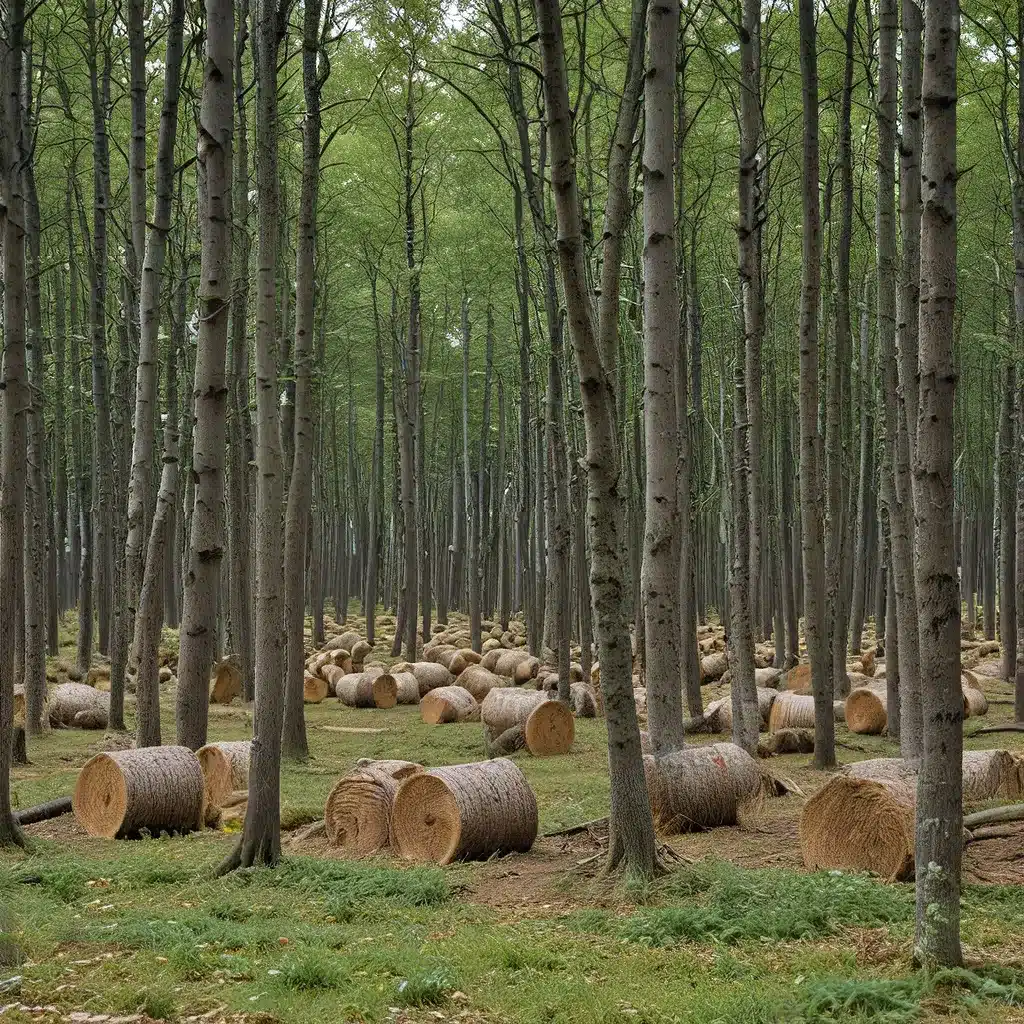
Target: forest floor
{"type": "Point", "coordinates": [735, 931]}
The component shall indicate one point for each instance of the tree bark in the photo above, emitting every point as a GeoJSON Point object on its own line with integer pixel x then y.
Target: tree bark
{"type": "Point", "coordinates": [939, 830]}
{"type": "Point", "coordinates": [300, 487]}
{"type": "Point", "coordinates": [206, 542]}
{"type": "Point", "coordinates": [632, 828]}
{"type": "Point", "coordinates": [261, 838]}
{"type": "Point", "coordinates": [12, 425]}
{"type": "Point", "coordinates": [810, 438]}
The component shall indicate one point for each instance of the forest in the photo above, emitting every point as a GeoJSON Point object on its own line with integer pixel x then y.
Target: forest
{"type": "Point", "coordinates": [512, 510]}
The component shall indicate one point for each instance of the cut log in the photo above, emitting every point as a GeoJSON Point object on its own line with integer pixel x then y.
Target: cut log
{"type": "Point", "coordinates": [520, 666]}
{"type": "Point", "coordinates": [226, 683]}
{"type": "Point", "coordinates": [713, 666]}
{"type": "Point", "coordinates": [507, 743]}
{"type": "Point", "coordinates": [370, 689]}
{"type": "Point", "coordinates": [124, 792]}
{"type": "Point", "coordinates": [583, 701]}
{"type": "Point", "coordinates": [867, 710]}
{"type": "Point", "coordinates": [768, 677]}
{"type": "Point", "coordinates": [357, 816]}
{"type": "Point", "coordinates": [225, 768]}
{"type": "Point", "coordinates": [879, 796]}
{"type": "Point", "coordinates": [975, 703]}
{"type": "Point", "coordinates": [430, 675]}
{"type": "Point", "coordinates": [796, 711]}
{"type": "Point", "coordinates": [43, 812]}
{"type": "Point", "coordinates": [344, 641]}
{"type": "Point", "coordinates": [548, 725]}
{"type": "Point", "coordinates": [407, 689]}
{"type": "Point", "coordinates": [446, 704]}
{"type": "Point", "coordinates": [467, 811]}
{"type": "Point", "coordinates": [479, 681]}
{"type": "Point", "coordinates": [314, 689]}
{"type": "Point", "coordinates": [704, 787]}
{"type": "Point", "coordinates": [786, 741]}
{"type": "Point", "coordinates": [71, 701]}
{"type": "Point", "coordinates": [360, 650]}
{"type": "Point", "coordinates": [994, 815]}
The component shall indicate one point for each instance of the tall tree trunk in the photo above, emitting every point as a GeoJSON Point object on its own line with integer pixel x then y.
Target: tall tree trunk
{"type": "Point", "coordinates": [902, 524]}
{"type": "Point", "coordinates": [147, 373]}
{"type": "Point", "coordinates": [632, 841]}
{"type": "Point", "coordinates": [206, 542]}
{"type": "Point", "coordinates": [239, 422]}
{"type": "Point", "coordinates": [746, 558]}
{"type": "Point", "coordinates": [837, 557]}
{"type": "Point", "coordinates": [12, 438]}
{"type": "Point", "coordinates": [35, 535]}
{"type": "Point", "coordinates": [939, 833]}
{"type": "Point", "coordinates": [261, 839]}
{"type": "Point", "coordinates": [300, 487]}
{"type": "Point", "coordinates": [810, 437]}
{"type": "Point", "coordinates": [102, 441]}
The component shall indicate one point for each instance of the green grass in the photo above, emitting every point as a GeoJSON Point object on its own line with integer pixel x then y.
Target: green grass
{"type": "Point", "coordinates": [126, 927]}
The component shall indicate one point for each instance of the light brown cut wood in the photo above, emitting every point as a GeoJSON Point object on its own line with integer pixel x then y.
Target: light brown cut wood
{"type": "Point", "coordinates": [548, 726]}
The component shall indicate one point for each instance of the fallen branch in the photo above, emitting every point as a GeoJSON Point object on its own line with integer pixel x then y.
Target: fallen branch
{"type": "Point", "coordinates": [44, 812]}
{"type": "Point", "coordinates": [1011, 727]}
{"type": "Point", "coordinates": [1011, 812]}
{"type": "Point", "coordinates": [991, 833]}
{"type": "Point", "coordinates": [576, 829]}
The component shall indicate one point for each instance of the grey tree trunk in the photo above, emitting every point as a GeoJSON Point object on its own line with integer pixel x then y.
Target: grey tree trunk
{"type": "Point", "coordinates": [939, 832]}
{"type": "Point", "coordinates": [745, 499]}
{"type": "Point", "coordinates": [901, 524]}
{"type": "Point", "coordinates": [300, 486]}
{"type": "Point", "coordinates": [12, 425]}
{"type": "Point", "coordinates": [261, 838]}
{"type": "Point", "coordinates": [206, 541]}
{"type": "Point", "coordinates": [632, 839]}
{"type": "Point", "coordinates": [816, 626]}
{"type": "Point", "coordinates": [660, 567]}
{"type": "Point", "coordinates": [240, 455]}
{"type": "Point", "coordinates": [35, 536]}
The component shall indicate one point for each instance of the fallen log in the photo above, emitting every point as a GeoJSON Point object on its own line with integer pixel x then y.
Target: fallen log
{"type": "Point", "coordinates": [704, 787]}
{"type": "Point", "coordinates": [467, 811]}
{"type": "Point", "coordinates": [447, 704]}
{"type": "Point", "coordinates": [226, 683]}
{"type": "Point", "coordinates": [357, 816]}
{"type": "Point", "coordinates": [994, 815]}
{"type": "Point", "coordinates": [548, 726]}
{"type": "Point", "coordinates": [225, 768]}
{"type": "Point", "coordinates": [43, 812]}
{"type": "Point", "coordinates": [75, 704]}
{"type": "Point", "coordinates": [124, 792]}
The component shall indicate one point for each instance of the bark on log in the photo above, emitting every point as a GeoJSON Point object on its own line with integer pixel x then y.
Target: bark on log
{"type": "Point", "coordinates": [225, 768]}
{"type": "Point", "coordinates": [407, 689]}
{"type": "Point", "coordinates": [430, 675]}
{"type": "Point", "coordinates": [479, 681]}
{"type": "Point", "coordinates": [548, 725]}
{"type": "Point", "coordinates": [446, 704]}
{"type": "Point", "coordinates": [357, 816]}
{"type": "Point", "coordinates": [43, 812]}
{"type": "Point", "coordinates": [314, 689]}
{"type": "Point", "coordinates": [153, 788]}
{"type": "Point", "coordinates": [704, 787]}
{"type": "Point", "coordinates": [466, 811]}
{"type": "Point", "coordinates": [226, 683]}
{"type": "Point", "coordinates": [77, 704]}
{"type": "Point", "coordinates": [367, 690]}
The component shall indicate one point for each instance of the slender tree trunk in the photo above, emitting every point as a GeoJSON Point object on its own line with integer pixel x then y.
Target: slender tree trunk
{"type": "Point", "coordinates": [12, 426]}
{"type": "Point", "coordinates": [239, 422]}
{"type": "Point", "coordinates": [300, 487]}
{"type": "Point", "coordinates": [632, 840]}
{"type": "Point", "coordinates": [206, 542]}
{"type": "Point", "coordinates": [810, 437]}
{"type": "Point", "coordinates": [261, 839]}
{"type": "Point", "coordinates": [146, 381]}
{"type": "Point", "coordinates": [939, 834]}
